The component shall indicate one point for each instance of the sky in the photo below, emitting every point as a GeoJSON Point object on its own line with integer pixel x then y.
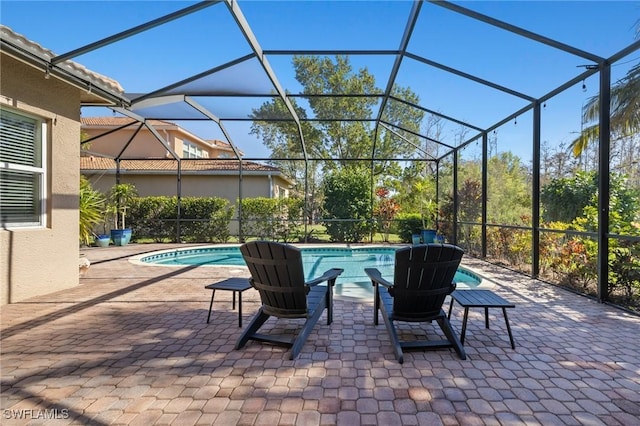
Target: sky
{"type": "Point", "coordinates": [209, 38]}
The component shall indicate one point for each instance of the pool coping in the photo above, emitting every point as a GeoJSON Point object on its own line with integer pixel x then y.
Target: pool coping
{"type": "Point", "coordinates": [485, 283]}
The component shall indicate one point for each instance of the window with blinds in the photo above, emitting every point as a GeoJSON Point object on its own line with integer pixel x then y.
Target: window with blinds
{"type": "Point", "coordinates": [22, 172]}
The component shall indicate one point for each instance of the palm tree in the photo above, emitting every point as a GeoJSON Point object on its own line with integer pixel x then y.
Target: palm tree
{"type": "Point", "coordinates": [91, 210]}
{"type": "Point", "coordinates": [625, 109]}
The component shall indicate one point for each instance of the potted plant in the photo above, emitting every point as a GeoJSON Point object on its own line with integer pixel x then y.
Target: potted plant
{"type": "Point", "coordinates": [120, 196]}
{"type": "Point", "coordinates": [428, 209]}
{"type": "Point", "coordinates": [429, 215]}
{"type": "Point", "coordinates": [91, 208]}
{"type": "Point", "coordinates": [102, 240]}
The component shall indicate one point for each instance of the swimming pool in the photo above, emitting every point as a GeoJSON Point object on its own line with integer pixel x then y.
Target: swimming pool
{"type": "Point", "coordinates": [352, 283]}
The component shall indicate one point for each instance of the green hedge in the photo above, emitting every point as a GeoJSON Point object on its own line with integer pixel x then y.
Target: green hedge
{"type": "Point", "coordinates": [202, 219]}
{"type": "Point", "coordinates": [272, 218]}
{"type": "Point", "coordinates": [408, 224]}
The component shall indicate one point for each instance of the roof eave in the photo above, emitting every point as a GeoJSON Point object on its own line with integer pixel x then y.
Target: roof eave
{"type": "Point", "coordinates": [94, 90]}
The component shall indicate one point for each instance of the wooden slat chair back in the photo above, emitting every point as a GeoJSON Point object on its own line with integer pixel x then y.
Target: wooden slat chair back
{"type": "Point", "coordinates": [277, 272]}
{"type": "Point", "coordinates": [423, 277]}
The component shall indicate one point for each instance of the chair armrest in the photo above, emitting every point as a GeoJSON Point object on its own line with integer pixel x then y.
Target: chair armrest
{"type": "Point", "coordinates": [329, 276]}
{"type": "Point", "coordinates": [376, 277]}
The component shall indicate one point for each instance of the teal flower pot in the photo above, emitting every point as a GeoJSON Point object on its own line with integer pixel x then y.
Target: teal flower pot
{"type": "Point", "coordinates": [121, 237]}
{"type": "Point", "coordinates": [103, 240]}
{"type": "Point", "coordinates": [428, 236]}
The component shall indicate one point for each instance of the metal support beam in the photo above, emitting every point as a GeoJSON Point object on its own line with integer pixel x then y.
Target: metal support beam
{"type": "Point", "coordinates": [117, 129]}
{"type": "Point", "coordinates": [469, 77]}
{"type": "Point", "coordinates": [510, 117]}
{"type": "Point", "coordinates": [109, 95]}
{"type": "Point", "coordinates": [485, 191]}
{"type": "Point", "coordinates": [133, 31]}
{"type": "Point", "coordinates": [330, 52]}
{"type": "Point", "coordinates": [517, 30]}
{"type": "Point", "coordinates": [167, 89]}
{"type": "Point", "coordinates": [404, 43]}
{"type": "Point", "coordinates": [371, 196]}
{"type": "Point", "coordinates": [179, 203]}
{"type": "Point", "coordinates": [582, 76]}
{"type": "Point", "coordinates": [164, 143]}
{"type": "Point", "coordinates": [243, 25]}
{"type": "Point", "coordinates": [437, 193]}
{"type": "Point", "coordinates": [469, 141]}
{"type": "Point", "coordinates": [437, 114]}
{"type": "Point", "coordinates": [306, 201]}
{"type": "Point", "coordinates": [202, 110]}
{"type": "Point", "coordinates": [624, 52]}
{"type": "Point", "coordinates": [419, 148]}
{"type": "Point", "coordinates": [455, 196]}
{"type": "Point", "coordinates": [417, 134]}
{"type": "Point", "coordinates": [603, 181]}
{"type": "Point", "coordinates": [535, 195]}
{"type": "Point", "coordinates": [240, 213]}
{"type": "Point", "coordinates": [154, 101]}
{"type": "Point", "coordinates": [126, 145]}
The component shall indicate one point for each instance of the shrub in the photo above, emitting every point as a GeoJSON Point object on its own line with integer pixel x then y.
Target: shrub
{"type": "Point", "coordinates": [202, 219]}
{"type": "Point", "coordinates": [271, 218]}
{"type": "Point", "coordinates": [205, 219]}
{"type": "Point", "coordinates": [347, 204]}
{"type": "Point", "coordinates": [408, 224]}
{"type": "Point", "coordinates": [91, 209]}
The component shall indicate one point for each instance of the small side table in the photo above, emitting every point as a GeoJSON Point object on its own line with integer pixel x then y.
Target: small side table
{"type": "Point", "coordinates": [481, 299]}
{"type": "Point", "coordinates": [235, 285]}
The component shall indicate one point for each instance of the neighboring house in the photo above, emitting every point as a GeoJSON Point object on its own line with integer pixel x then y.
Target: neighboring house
{"type": "Point", "coordinates": [39, 165]}
{"type": "Point", "coordinates": [209, 168]}
{"type": "Point", "coordinates": [199, 178]}
{"type": "Point", "coordinates": [113, 139]}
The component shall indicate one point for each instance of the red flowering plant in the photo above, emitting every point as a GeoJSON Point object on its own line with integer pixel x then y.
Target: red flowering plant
{"type": "Point", "coordinates": [386, 209]}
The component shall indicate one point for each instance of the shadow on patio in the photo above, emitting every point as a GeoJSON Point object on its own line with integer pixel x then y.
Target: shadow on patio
{"type": "Point", "coordinates": [131, 345]}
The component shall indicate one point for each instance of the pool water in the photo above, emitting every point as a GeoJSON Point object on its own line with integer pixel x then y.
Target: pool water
{"type": "Point", "coordinates": [353, 282]}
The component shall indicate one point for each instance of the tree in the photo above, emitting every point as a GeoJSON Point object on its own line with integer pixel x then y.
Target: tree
{"type": "Point", "coordinates": [119, 200]}
{"type": "Point", "coordinates": [567, 199]}
{"type": "Point", "coordinates": [469, 210]}
{"type": "Point", "coordinates": [347, 204]}
{"type": "Point", "coordinates": [385, 210]}
{"type": "Point", "coordinates": [563, 199]}
{"type": "Point", "coordinates": [342, 140]}
{"type": "Point", "coordinates": [625, 112]}
{"type": "Point", "coordinates": [509, 190]}
{"type": "Point", "coordinates": [625, 109]}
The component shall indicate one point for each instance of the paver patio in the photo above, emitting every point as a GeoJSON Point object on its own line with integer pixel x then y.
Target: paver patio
{"type": "Point", "coordinates": [131, 345]}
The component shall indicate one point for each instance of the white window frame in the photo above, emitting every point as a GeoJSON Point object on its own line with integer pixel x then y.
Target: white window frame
{"type": "Point", "coordinates": [191, 150]}
{"type": "Point", "coordinates": [40, 172]}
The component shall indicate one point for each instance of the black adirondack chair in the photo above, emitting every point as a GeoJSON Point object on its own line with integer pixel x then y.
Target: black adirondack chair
{"type": "Point", "coordinates": [277, 273]}
{"type": "Point", "coordinates": [423, 277]}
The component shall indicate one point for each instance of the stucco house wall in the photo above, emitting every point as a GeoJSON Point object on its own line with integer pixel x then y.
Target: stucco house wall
{"type": "Point", "coordinates": [209, 179]}
{"type": "Point", "coordinates": [37, 261]}
{"type": "Point", "coordinates": [148, 165]}
{"type": "Point", "coordinates": [146, 145]}
{"type": "Point", "coordinates": [194, 185]}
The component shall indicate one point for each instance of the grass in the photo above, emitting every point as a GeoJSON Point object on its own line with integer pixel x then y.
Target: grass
{"type": "Point", "coordinates": [316, 234]}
